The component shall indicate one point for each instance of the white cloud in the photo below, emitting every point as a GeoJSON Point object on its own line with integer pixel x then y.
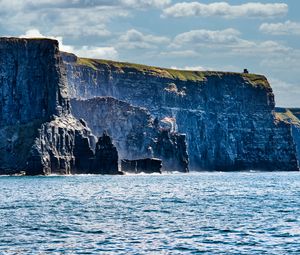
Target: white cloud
{"type": "Point", "coordinates": [134, 39]}
{"type": "Point", "coordinates": [96, 52]}
{"type": "Point", "coordinates": [285, 28]}
{"type": "Point", "coordinates": [288, 63]}
{"type": "Point", "coordinates": [146, 3]}
{"type": "Point", "coordinates": [179, 53]}
{"type": "Point", "coordinates": [68, 22]}
{"type": "Point", "coordinates": [207, 37]}
{"type": "Point", "coordinates": [227, 68]}
{"type": "Point", "coordinates": [227, 41]}
{"type": "Point", "coordinates": [190, 68]}
{"type": "Point", "coordinates": [32, 33]}
{"type": "Point", "coordinates": [74, 19]}
{"type": "Point", "coordinates": [223, 9]}
{"type": "Point", "coordinates": [67, 4]}
{"type": "Point", "coordinates": [264, 48]}
{"type": "Point", "coordinates": [81, 51]}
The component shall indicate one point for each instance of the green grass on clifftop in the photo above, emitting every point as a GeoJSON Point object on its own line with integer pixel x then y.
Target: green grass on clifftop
{"type": "Point", "coordinates": [183, 75]}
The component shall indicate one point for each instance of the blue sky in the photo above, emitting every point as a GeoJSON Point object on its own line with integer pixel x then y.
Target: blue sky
{"type": "Point", "coordinates": [262, 36]}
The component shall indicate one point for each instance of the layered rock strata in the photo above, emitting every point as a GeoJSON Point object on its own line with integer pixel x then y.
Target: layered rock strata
{"type": "Point", "coordinates": [291, 116]}
{"type": "Point", "coordinates": [135, 133]}
{"type": "Point", "coordinates": [37, 131]}
{"type": "Point", "coordinates": [228, 118]}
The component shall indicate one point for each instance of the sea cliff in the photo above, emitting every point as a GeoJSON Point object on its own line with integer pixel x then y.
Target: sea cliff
{"type": "Point", "coordinates": [291, 116]}
{"type": "Point", "coordinates": [38, 134]}
{"type": "Point", "coordinates": [54, 105]}
{"type": "Point", "coordinates": [228, 118]}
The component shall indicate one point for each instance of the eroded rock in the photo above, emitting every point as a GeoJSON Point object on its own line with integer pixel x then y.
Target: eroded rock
{"type": "Point", "coordinates": [147, 165]}
{"type": "Point", "coordinates": [135, 133]}
{"type": "Point", "coordinates": [106, 157]}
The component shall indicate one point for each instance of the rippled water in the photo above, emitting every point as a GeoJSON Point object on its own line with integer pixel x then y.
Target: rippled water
{"type": "Point", "coordinates": [206, 213]}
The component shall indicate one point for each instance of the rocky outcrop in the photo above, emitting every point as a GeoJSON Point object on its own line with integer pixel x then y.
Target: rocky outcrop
{"type": "Point", "coordinates": [63, 146]}
{"type": "Point", "coordinates": [135, 133]}
{"type": "Point", "coordinates": [228, 118]}
{"type": "Point", "coordinates": [37, 132]}
{"type": "Point", "coordinates": [171, 147]}
{"type": "Point", "coordinates": [291, 116]}
{"type": "Point", "coordinates": [106, 157]}
{"type": "Point", "coordinates": [147, 165]}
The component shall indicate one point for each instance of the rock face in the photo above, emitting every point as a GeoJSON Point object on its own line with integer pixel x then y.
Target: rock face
{"type": "Point", "coordinates": [37, 132]}
{"type": "Point", "coordinates": [135, 133]}
{"type": "Point", "coordinates": [291, 116]}
{"type": "Point", "coordinates": [106, 157]}
{"type": "Point", "coordinates": [228, 118]}
{"type": "Point", "coordinates": [147, 165]}
{"type": "Point", "coordinates": [62, 146]}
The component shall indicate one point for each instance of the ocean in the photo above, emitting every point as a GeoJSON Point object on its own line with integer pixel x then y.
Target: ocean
{"type": "Point", "coordinates": [196, 213]}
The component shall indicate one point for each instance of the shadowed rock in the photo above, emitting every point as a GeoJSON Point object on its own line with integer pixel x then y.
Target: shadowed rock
{"type": "Point", "coordinates": [135, 133]}
{"type": "Point", "coordinates": [147, 165]}
{"type": "Point", "coordinates": [37, 131]}
{"type": "Point", "coordinates": [106, 157]}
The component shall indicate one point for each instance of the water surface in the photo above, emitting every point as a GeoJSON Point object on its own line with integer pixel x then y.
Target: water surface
{"type": "Point", "coordinates": [205, 213]}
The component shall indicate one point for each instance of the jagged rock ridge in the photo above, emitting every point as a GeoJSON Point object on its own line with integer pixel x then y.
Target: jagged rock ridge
{"type": "Point", "coordinates": [228, 118]}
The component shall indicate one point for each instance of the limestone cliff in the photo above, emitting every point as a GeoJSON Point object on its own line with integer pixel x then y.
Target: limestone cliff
{"type": "Point", "coordinates": [134, 131]}
{"type": "Point", "coordinates": [37, 132]}
{"type": "Point", "coordinates": [228, 117]}
{"type": "Point", "coordinates": [291, 116]}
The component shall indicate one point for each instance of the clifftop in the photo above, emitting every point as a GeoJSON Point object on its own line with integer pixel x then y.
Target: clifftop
{"type": "Point", "coordinates": [183, 75]}
{"type": "Point", "coordinates": [7, 42]}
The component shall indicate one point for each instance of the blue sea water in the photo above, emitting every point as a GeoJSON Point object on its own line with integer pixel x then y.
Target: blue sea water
{"type": "Point", "coordinates": [205, 213]}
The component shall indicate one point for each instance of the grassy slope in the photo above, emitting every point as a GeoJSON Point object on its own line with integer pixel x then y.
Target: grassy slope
{"type": "Point", "coordinates": [183, 75]}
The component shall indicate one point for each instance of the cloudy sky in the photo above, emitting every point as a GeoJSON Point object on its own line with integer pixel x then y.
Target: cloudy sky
{"type": "Point", "coordinates": [263, 36]}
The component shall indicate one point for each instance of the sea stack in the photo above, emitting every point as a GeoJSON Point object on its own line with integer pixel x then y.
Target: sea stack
{"type": "Point", "coordinates": [106, 156]}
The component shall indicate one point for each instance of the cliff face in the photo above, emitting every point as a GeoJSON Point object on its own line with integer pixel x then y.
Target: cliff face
{"type": "Point", "coordinates": [135, 133]}
{"type": "Point", "coordinates": [228, 118]}
{"type": "Point", "coordinates": [32, 85]}
{"type": "Point", "coordinates": [291, 116]}
{"type": "Point", "coordinates": [37, 132]}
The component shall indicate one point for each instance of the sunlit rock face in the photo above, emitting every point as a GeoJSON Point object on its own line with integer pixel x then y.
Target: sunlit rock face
{"type": "Point", "coordinates": [228, 118]}
{"type": "Point", "coordinates": [134, 132]}
{"type": "Point", "coordinates": [37, 132]}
